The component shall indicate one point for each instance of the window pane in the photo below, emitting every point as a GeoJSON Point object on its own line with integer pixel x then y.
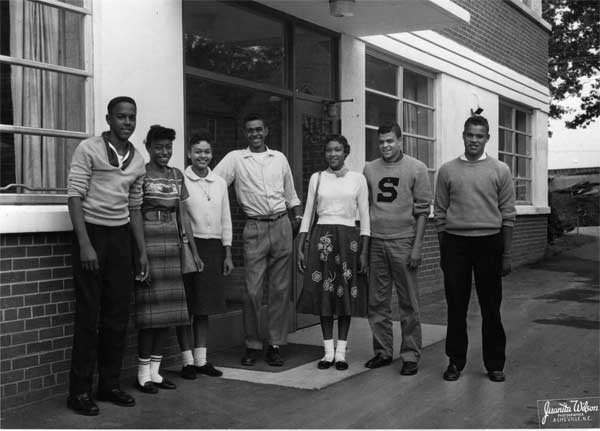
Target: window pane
{"type": "Point", "coordinates": [418, 120]}
{"type": "Point", "coordinates": [380, 109]}
{"type": "Point", "coordinates": [506, 116]}
{"type": "Point", "coordinates": [522, 190]}
{"type": "Point", "coordinates": [508, 160]}
{"type": "Point", "coordinates": [421, 149]}
{"type": "Point", "coordinates": [42, 33]}
{"type": "Point", "coordinates": [417, 88]}
{"type": "Point", "coordinates": [36, 98]}
{"type": "Point", "coordinates": [381, 75]}
{"type": "Point", "coordinates": [229, 39]}
{"type": "Point", "coordinates": [523, 145]}
{"type": "Point", "coordinates": [313, 62]}
{"type": "Point", "coordinates": [371, 144]}
{"type": "Point", "coordinates": [505, 141]}
{"type": "Point", "coordinates": [523, 168]}
{"type": "Point", "coordinates": [36, 161]}
{"type": "Point", "coordinates": [521, 121]}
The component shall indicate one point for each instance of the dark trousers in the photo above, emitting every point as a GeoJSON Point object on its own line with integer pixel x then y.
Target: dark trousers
{"type": "Point", "coordinates": [461, 256]}
{"type": "Point", "coordinates": [101, 308]}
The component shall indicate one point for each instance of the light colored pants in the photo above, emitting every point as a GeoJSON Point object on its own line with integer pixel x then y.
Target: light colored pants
{"type": "Point", "coordinates": [388, 266]}
{"type": "Point", "coordinates": [267, 257]}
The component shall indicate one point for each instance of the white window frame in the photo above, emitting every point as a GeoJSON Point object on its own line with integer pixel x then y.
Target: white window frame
{"type": "Point", "coordinates": [86, 73]}
{"type": "Point", "coordinates": [529, 158]}
{"type": "Point", "coordinates": [399, 98]}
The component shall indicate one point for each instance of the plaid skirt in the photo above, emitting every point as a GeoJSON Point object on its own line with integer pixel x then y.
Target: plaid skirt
{"type": "Point", "coordinates": [332, 285]}
{"type": "Point", "coordinates": [161, 303]}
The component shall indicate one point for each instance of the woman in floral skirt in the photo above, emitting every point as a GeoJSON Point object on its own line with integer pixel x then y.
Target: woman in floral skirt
{"type": "Point", "coordinates": [335, 260]}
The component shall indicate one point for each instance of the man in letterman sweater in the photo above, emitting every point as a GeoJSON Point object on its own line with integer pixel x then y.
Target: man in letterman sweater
{"type": "Point", "coordinates": [475, 215]}
{"type": "Point", "coordinates": [399, 198]}
{"type": "Point", "coordinates": [105, 196]}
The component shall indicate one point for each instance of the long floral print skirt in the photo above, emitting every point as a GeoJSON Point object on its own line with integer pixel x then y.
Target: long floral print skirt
{"type": "Point", "coordinates": [332, 285]}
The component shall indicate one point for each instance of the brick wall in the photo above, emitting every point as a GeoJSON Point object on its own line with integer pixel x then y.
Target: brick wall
{"type": "Point", "coordinates": [504, 34]}
{"type": "Point", "coordinates": [36, 293]}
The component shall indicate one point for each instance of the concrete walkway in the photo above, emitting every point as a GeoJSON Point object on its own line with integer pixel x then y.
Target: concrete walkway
{"type": "Point", "coordinates": [552, 319]}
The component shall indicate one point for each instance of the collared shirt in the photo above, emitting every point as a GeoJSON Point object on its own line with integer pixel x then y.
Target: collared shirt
{"type": "Point", "coordinates": [463, 157]}
{"type": "Point", "coordinates": [263, 181]}
{"type": "Point", "coordinates": [208, 206]}
{"type": "Point", "coordinates": [120, 158]}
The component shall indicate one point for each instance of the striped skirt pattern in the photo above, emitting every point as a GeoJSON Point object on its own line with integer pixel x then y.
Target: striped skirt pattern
{"type": "Point", "coordinates": [162, 303]}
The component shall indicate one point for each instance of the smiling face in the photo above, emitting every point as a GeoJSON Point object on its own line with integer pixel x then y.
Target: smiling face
{"type": "Point", "coordinates": [201, 155]}
{"type": "Point", "coordinates": [121, 121]}
{"type": "Point", "coordinates": [335, 155]}
{"type": "Point", "coordinates": [256, 132]}
{"type": "Point", "coordinates": [160, 151]}
{"type": "Point", "coordinates": [390, 147]}
{"type": "Point", "coordinates": [475, 137]}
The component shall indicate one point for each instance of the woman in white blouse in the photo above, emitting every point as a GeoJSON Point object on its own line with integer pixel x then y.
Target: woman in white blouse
{"type": "Point", "coordinates": [210, 217]}
{"type": "Point", "coordinates": [335, 260]}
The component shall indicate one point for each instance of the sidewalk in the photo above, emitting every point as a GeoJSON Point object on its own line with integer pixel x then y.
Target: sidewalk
{"type": "Point", "coordinates": [552, 318]}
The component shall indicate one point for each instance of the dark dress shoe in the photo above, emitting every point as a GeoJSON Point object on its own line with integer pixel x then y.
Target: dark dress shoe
{"type": "Point", "coordinates": [165, 384]}
{"type": "Point", "coordinates": [496, 376]}
{"type": "Point", "coordinates": [116, 396]}
{"type": "Point", "coordinates": [83, 404]}
{"type": "Point", "coordinates": [452, 373]}
{"type": "Point", "coordinates": [208, 370]}
{"type": "Point", "coordinates": [323, 365]}
{"type": "Point", "coordinates": [273, 357]}
{"type": "Point", "coordinates": [147, 388]}
{"type": "Point", "coordinates": [188, 372]}
{"type": "Point", "coordinates": [378, 361]}
{"type": "Point", "coordinates": [250, 357]}
{"type": "Point", "coordinates": [341, 365]}
{"type": "Point", "coordinates": [409, 369]}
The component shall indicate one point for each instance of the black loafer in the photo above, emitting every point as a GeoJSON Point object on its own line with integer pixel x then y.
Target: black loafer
{"type": "Point", "coordinates": [341, 365]}
{"type": "Point", "coordinates": [323, 365]}
{"type": "Point", "coordinates": [250, 357]}
{"type": "Point", "coordinates": [83, 404]}
{"type": "Point", "coordinates": [452, 373]}
{"type": "Point", "coordinates": [409, 369]}
{"type": "Point", "coordinates": [496, 376]}
{"type": "Point", "coordinates": [116, 396]}
{"type": "Point", "coordinates": [378, 361]}
{"type": "Point", "coordinates": [208, 370]}
{"type": "Point", "coordinates": [165, 384]}
{"type": "Point", "coordinates": [188, 372]}
{"type": "Point", "coordinates": [273, 357]}
{"type": "Point", "coordinates": [147, 388]}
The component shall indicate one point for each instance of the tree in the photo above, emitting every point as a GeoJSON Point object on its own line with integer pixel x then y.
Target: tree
{"type": "Point", "coordinates": [574, 49]}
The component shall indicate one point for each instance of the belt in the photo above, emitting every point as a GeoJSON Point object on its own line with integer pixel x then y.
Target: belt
{"type": "Point", "coordinates": [268, 218]}
{"type": "Point", "coordinates": [158, 215]}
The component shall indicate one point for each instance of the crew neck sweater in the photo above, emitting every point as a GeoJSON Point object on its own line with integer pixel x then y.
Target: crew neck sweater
{"type": "Point", "coordinates": [107, 192]}
{"type": "Point", "coordinates": [398, 193]}
{"type": "Point", "coordinates": [474, 198]}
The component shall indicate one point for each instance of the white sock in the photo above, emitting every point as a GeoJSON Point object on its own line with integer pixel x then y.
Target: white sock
{"type": "Point", "coordinates": [340, 350]}
{"type": "Point", "coordinates": [154, 367]}
{"type": "Point", "coordinates": [199, 356]}
{"type": "Point", "coordinates": [329, 351]}
{"type": "Point", "coordinates": [143, 373]}
{"type": "Point", "coordinates": [187, 358]}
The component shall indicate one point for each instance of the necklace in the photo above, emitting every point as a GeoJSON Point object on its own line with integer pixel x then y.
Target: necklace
{"type": "Point", "coordinates": [204, 187]}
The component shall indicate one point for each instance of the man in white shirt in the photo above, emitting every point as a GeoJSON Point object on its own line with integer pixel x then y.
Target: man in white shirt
{"type": "Point", "coordinates": [265, 189]}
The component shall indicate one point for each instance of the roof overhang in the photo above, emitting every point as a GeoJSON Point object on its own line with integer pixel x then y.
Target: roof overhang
{"type": "Point", "coordinates": [375, 17]}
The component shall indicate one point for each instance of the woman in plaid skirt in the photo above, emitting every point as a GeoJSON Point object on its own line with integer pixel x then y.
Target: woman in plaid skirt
{"type": "Point", "coordinates": [160, 302]}
{"type": "Point", "coordinates": [335, 261]}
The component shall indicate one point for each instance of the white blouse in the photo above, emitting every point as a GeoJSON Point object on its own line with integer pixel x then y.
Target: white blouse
{"type": "Point", "coordinates": [208, 206]}
{"type": "Point", "coordinates": [339, 200]}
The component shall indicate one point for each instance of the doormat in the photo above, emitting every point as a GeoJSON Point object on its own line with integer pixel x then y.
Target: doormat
{"type": "Point", "coordinates": [294, 355]}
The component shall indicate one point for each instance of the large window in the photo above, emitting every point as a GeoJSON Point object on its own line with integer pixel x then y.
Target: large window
{"type": "Point", "coordinates": [44, 89]}
{"type": "Point", "coordinates": [514, 147]}
{"type": "Point", "coordinates": [400, 94]}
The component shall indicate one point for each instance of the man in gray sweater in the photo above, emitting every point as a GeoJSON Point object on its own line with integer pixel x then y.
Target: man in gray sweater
{"type": "Point", "coordinates": [475, 215]}
{"type": "Point", "coordinates": [399, 199]}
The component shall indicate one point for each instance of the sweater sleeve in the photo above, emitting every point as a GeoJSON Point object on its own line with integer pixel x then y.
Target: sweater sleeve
{"type": "Point", "coordinates": [310, 201]}
{"type": "Point", "coordinates": [226, 227]}
{"type": "Point", "coordinates": [421, 192]}
{"type": "Point", "coordinates": [506, 197]}
{"type": "Point", "coordinates": [135, 193]}
{"type": "Point", "coordinates": [78, 181]}
{"type": "Point", "coordinates": [363, 206]}
{"type": "Point", "coordinates": [441, 199]}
